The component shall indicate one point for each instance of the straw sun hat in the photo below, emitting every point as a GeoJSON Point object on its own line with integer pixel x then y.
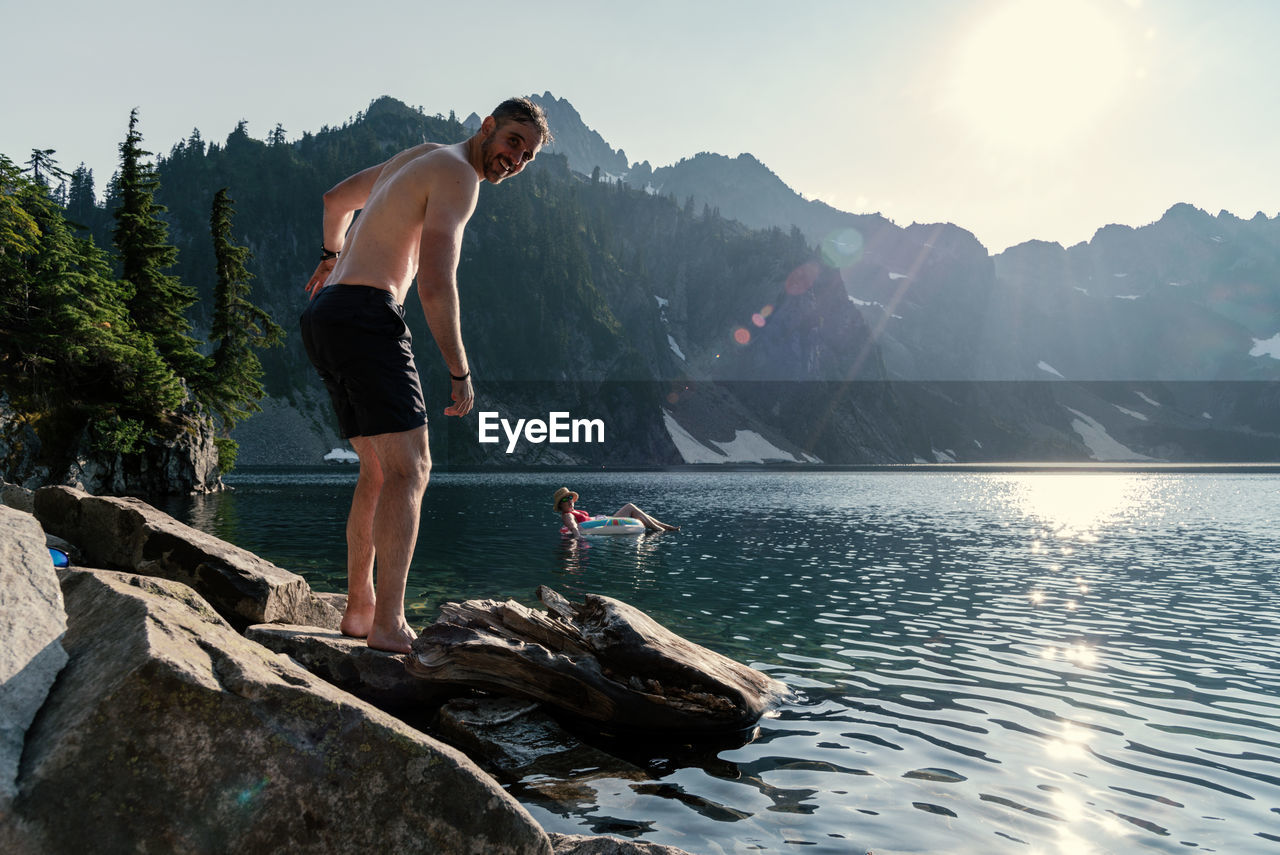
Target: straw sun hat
{"type": "Point", "coordinates": [560, 495]}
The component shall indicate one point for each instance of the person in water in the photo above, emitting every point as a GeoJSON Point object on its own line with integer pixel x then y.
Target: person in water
{"type": "Point", "coordinates": [564, 500]}
{"type": "Point", "coordinates": [413, 210]}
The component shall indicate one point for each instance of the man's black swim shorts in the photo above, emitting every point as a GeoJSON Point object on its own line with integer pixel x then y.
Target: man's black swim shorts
{"type": "Point", "coordinates": [356, 338]}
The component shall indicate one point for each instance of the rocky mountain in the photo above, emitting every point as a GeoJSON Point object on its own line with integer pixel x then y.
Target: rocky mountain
{"type": "Point", "coordinates": [706, 313]}
{"type": "Point", "coordinates": [583, 148]}
{"type": "Point", "coordinates": [741, 188]}
{"type": "Point", "coordinates": [1170, 326]}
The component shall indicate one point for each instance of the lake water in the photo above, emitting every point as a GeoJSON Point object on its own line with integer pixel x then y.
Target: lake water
{"type": "Point", "coordinates": [1028, 662]}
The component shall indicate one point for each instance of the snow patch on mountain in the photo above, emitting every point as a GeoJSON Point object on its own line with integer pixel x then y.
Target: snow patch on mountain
{"type": "Point", "coordinates": [1266, 347]}
{"type": "Point", "coordinates": [662, 315]}
{"type": "Point", "coordinates": [675, 348]}
{"type": "Point", "coordinates": [1100, 443]}
{"type": "Point", "coordinates": [747, 446]}
{"type": "Point", "coordinates": [1148, 400]}
{"type": "Point", "coordinates": [872, 305]}
{"type": "Point", "coordinates": [1131, 413]}
{"type": "Point", "coordinates": [691, 451]}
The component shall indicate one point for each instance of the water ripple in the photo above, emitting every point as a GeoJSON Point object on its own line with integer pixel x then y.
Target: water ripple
{"type": "Point", "coordinates": [1026, 662]}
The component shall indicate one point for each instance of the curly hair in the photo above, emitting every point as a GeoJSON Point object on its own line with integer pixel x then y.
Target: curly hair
{"type": "Point", "coordinates": [525, 112]}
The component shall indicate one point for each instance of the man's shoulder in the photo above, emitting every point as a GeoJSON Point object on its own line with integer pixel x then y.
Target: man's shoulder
{"type": "Point", "coordinates": [430, 166]}
{"type": "Point", "coordinates": [437, 156]}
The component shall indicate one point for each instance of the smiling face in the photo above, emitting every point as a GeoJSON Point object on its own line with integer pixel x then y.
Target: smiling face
{"type": "Point", "coordinates": [507, 148]}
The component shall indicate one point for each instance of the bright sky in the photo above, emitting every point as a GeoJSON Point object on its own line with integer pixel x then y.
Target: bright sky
{"type": "Point", "coordinates": [1015, 119]}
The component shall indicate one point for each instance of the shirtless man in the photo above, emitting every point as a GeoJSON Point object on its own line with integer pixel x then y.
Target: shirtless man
{"type": "Point", "coordinates": [414, 208]}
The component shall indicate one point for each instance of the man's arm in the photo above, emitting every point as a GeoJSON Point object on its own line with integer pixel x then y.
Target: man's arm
{"type": "Point", "coordinates": [450, 204]}
{"type": "Point", "coordinates": [342, 200]}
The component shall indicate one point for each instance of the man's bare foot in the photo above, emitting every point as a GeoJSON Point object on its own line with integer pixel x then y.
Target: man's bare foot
{"type": "Point", "coordinates": [357, 620]}
{"type": "Point", "coordinates": [397, 640]}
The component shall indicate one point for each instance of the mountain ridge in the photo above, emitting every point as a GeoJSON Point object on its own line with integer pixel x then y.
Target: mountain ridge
{"type": "Point", "coordinates": [700, 334]}
{"type": "Point", "coordinates": [1230, 266]}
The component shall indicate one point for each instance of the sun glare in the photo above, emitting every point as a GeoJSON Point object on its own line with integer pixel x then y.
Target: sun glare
{"type": "Point", "coordinates": [1073, 506]}
{"type": "Point", "coordinates": [1037, 73]}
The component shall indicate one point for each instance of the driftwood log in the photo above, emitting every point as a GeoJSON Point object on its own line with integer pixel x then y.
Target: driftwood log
{"type": "Point", "coordinates": [602, 660]}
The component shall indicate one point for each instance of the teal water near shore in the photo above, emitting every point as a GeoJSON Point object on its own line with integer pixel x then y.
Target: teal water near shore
{"type": "Point", "coordinates": [981, 661]}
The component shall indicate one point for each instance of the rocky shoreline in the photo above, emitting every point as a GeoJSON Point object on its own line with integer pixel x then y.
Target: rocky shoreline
{"type": "Point", "coordinates": [172, 692]}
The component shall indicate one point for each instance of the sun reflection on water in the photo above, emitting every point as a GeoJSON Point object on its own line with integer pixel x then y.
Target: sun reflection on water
{"type": "Point", "coordinates": [1075, 505]}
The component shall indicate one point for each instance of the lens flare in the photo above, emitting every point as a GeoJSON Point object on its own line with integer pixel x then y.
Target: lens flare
{"type": "Point", "coordinates": [741, 335]}
{"type": "Point", "coordinates": [802, 279]}
{"type": "Point", "coordinates": [842, 248]}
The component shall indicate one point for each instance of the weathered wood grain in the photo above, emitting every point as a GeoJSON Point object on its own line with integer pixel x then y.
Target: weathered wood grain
{"type": "Point", "coordinates": [602, 659]}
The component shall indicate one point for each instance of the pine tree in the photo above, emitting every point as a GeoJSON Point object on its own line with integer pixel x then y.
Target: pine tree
{"type": "Point", "coordinates": [43, 167]}
{"type": "Point", "coordinates": [158, 301]}
{"type": "Point", "coordinates": [233, 385]}
{"type": "Point", "coordinates": [68, 352]}
{"type": "Point", "coordinates": [82, 204]}
{"type": "Point", "coordinates": [19, 238]}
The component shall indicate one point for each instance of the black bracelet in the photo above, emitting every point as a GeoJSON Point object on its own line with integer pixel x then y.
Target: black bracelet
{"type": "Point", "coordinates": [463, 377]}
{"type": "Point", "coordinates": [326, 254]}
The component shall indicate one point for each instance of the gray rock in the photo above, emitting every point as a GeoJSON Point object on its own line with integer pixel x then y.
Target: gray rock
{"type": "Point", "coordinates": [578, 844]}
{"type": "Point", "coordinates": [32, 623]}
{"type": "Point", "coordinates": [128, 534]}
{"type": "Point", "coordinates": [16, 496]}
{"type": "Point", "coordinates": [186, 463]}
{"type": "Point", "coordinates": [337, 601]}
{"type": "Point", "coordinates": [349, 664]}
{"type": "Point", "coordinates": [169, 732]}
{"type": "Point", "coordinates": [19, 447]}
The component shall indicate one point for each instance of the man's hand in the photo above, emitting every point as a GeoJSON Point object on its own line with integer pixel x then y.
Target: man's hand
{"type": "Point", "coordinates": [463, 397]}
{"type": "Point", "coordinates": [323, 269]}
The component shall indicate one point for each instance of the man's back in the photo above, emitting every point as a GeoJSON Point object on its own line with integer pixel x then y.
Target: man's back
{"type": "Point", "coordinates": [429, 186]}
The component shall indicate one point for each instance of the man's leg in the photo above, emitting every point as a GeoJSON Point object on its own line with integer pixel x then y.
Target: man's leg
{"type": "Point", "coordinates": [652, 523]}
{"type": "Point", "coordinates": [358, 618]}
{"type": "Point", "coordinates": [405, 462]}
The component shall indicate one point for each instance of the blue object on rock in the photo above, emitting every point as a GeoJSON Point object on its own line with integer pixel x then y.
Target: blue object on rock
{"type": "Point", "coordinates": [60, 558]}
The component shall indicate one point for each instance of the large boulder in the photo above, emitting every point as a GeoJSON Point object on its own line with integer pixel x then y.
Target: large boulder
{"type": "Point", "coordinates": [32, 623]}
{"type": "Point", "coordinates": [169, 732]}
{"type": "Point", "coordinates": [128, 534]}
